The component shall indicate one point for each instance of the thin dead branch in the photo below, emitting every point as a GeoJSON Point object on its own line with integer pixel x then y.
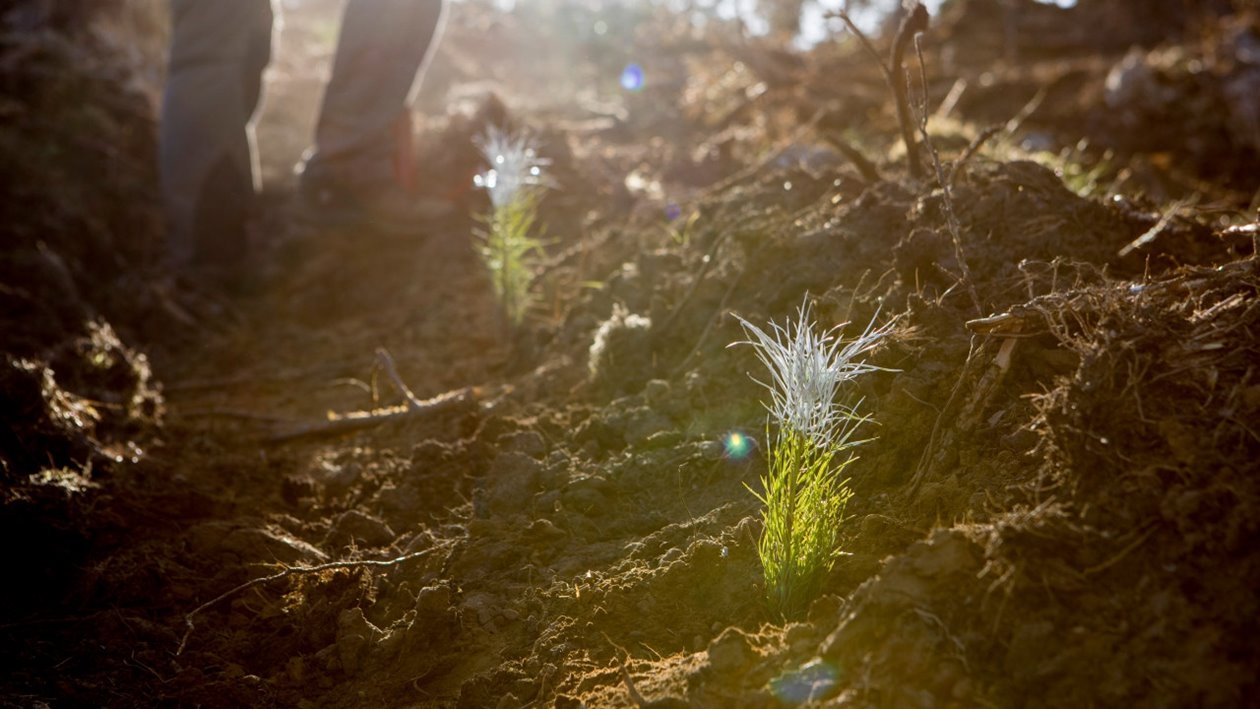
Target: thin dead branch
{"type": "Point", "coordinates": [413, 407]}
{"type": "Point", "coordinates": [1008, 129]}
{"type": "Point", "coordinates": [864, 41]}
{"type": "Point", "coordinates": [358, 420]}
{"type": "Point", "coordinates": [1251, 231]}
{"type": "Point", "coordinates": [913, 24]}
{"type": "Point", "coordinates": [712, 320]}
{"type": "Point", "coordinates": [951, 99]}
{"type": "Point", "coordinates": [863, 164]}
{"type": "Point", "coordinates": [631, 690]}
{"type": "Point", "coordinates": [709, 259]}
{"type": "Point", "coordinates": [1026, 112]}
{"type": "Point", "coordinates": [1160, 226]}
{"type": "Point", "coordinates": [947, 192]}
{"type": "Point", "coordinates": [895, 74]}
{"type": "Point", "coordinates": [972, 148]}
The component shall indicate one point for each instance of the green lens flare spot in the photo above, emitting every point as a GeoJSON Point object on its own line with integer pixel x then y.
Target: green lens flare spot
{"type": "Point", "coordinates": [737, 446]}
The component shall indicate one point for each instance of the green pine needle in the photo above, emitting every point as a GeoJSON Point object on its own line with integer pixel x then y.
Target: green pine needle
{"type": "Point", "coordinates": [511, 251]}
{"type": "Point", "coordinates": [804, 495]}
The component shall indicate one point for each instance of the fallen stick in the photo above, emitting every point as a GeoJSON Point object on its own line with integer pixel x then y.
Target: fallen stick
{"type": "Point", "coordinates": [412, 407]}
{"type": "Point", "coordinates": [357, 420]}
{"type": "Point", "coordinates": [386, 361]}
{"type": "Point", "coordinates": [287, 572]}
{"type": "Point", "coordinates": [1154, 232]}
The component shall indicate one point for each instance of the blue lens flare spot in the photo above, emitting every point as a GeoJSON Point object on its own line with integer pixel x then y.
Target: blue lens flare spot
{"type": "Point", "coordinates": [632, 78]}
{"type": "Point", "coordinates": [813, 681]}
{"type": "Point", "coordinates": [737, 446]}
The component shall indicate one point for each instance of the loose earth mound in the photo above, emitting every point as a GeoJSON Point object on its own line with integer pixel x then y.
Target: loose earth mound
{"type": "Point", "coordinates": [1057, 506]}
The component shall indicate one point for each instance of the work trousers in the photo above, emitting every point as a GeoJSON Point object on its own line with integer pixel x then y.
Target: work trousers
{"type": "Point", "coordinates": [219, 49]}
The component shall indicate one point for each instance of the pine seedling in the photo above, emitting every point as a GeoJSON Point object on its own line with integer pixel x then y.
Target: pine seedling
{"type": "Point", "coordinates": [809, 437]}
{"type": "Point", "coordinates": [510, 251]}
{"type": "Point", "coordinates": [508, 245]}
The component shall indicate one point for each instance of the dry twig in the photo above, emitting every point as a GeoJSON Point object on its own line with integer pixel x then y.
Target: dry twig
{"type": "Point", "coordinates": [947, 192]}
{"type": "Point", "coordinates": [895, 74]}
{"type": "Point", "coordinates": [356, 420]}
{"type": "Point", "coordinates": [863, 164]}
{"type": "Point", "coordinates": [911, 27]}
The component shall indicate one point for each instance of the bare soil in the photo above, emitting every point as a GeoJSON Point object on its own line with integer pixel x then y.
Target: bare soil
{"type": "Point", "coordinates": [1059, 508]}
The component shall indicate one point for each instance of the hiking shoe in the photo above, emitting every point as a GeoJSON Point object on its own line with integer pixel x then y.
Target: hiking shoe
{"type": "Point", "coordinates": [383, 207]}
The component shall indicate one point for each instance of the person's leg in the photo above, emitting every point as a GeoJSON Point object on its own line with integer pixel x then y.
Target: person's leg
{"type": "Point", "coordinates": [208, 164]}
{"type": "Point", "coordinates": [362, 139]}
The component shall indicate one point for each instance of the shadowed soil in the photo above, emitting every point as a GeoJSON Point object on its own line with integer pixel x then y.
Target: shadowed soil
{"type": "Point", "coordinates": [1057, 506]}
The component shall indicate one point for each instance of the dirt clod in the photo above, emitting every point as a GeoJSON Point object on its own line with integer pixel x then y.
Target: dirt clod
{"type": "Point", "coordinates": [1056, 496]}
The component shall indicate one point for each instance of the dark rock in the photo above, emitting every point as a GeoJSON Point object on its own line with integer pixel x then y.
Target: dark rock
{"type": "Point", "coordinates": [355, 527]}
{"type": "Point", "coordinates": [511, 480]}
{"type": "Point", "coordinates": [530, 443]}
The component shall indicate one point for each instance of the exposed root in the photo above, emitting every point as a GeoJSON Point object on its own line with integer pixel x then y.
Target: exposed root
{"type": "Point", "coordinates": [287, 572]}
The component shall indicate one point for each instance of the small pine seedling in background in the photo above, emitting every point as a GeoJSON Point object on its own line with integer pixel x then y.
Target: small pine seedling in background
{"type": "Point", "coordinates": [508, 246]}
{"type": "Point", "coordinates": [808, 435]}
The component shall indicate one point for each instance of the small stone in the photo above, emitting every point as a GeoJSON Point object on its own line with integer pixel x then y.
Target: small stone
{"type": "Point", "coordinates": [641, 423]}
{"type": "Point", "coordinates": [798, 632]}
{"type": "Point", "coordinates": [250, 544]}
{"type": "Point", "coordinates": [433, 602]}
{"type": "Point", "coordinates": [656, 392]}
{"type": "Point", "coordinates": [544, 530]}
{"type": "Point", "coordinates": [337, 478]}
{"type": "Point", "coordinates": [710, 450]}
{"type": "Point", "coordinates": [355, 636]}
{"type": "Point", "coordinates": [429, 453]}
{"type": "Point", "coordinates": [546, 501]}
{"type": "Point", "coordinates": [296, 669]}
{"type": "Point", "coordinates": [294, 488]}
{"type": "Point", "coordinates": [663, 439]}
{"type": "Point", "coordinates": [730, 652]}
{"type": "Point", "coordinates": [398, 503]}
{"type": "Point", "coordinates": [586, 494]}
{"type": "Point", "coordinates": [799, 636]}
{"type": "Point", "coordinates": [511, 480]}
{"type": "Point", "coordinates": [670, 556]}
{"type": "Point", "coordinates": [356, 527]}
{"type": "Point", "coordinates": [529, 443]}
